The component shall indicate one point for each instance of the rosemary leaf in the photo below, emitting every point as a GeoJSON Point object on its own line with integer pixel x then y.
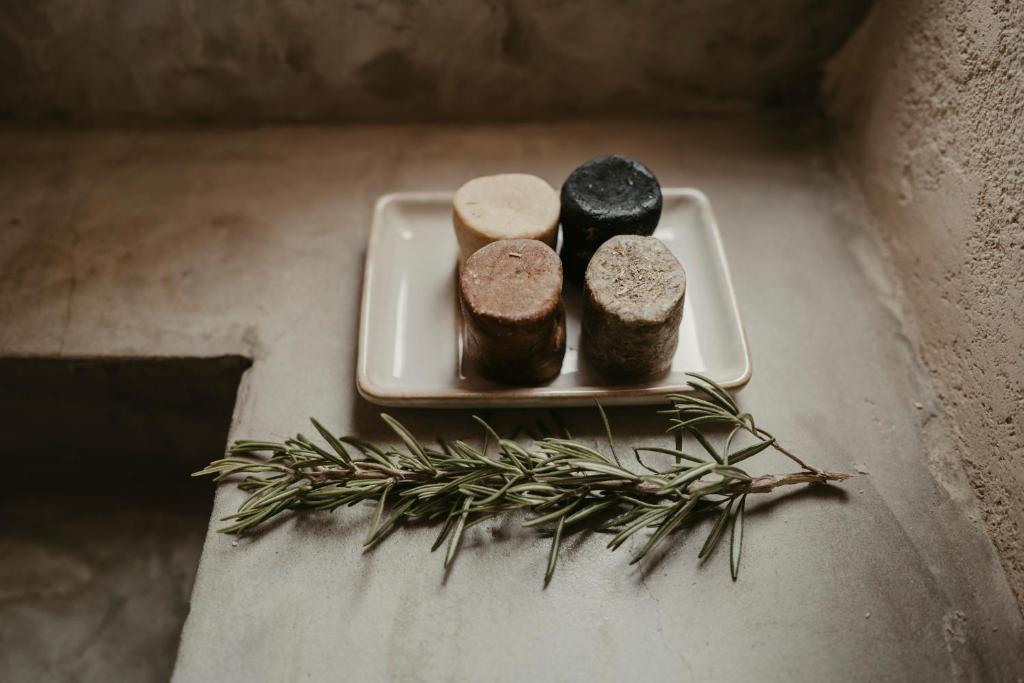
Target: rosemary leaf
{"type": "Point", "coordinates": [602, 468]}
{"type": "Point", "coordinates": [716, 531]}
{"type": "Point", "coordinates": [580, 515]}
{"type": "Point", "coordinates": [677, 452]}
{"type": "Point", "coordinates": [689, 475]}
{"type": "Point", "coordinates": [343, 457]}
{"type": "Point", "coordinates": [608, 432]}
{"type": "Point", "coordinates": [551, 516]}
{"type": "Point", "coordinates": [728, 444]}
{"type": "Point", "coordinates": [712, 388]}
{"type": "Point", "coordinates": [749, 452]}
{"type": "Point", "coordinates": [556, 541]}
{"type": "Point", "coordinates": [684, 509]}
{"type": "Point", "coordinates": [410, 441]}
{"type": "Point", "coordinates": [736, 538]}
{"type": "Point", "coordinates": [377, 515]}
{"type": "Point", "coordinates": [640, 523]}
{"type": "Point", "coordinates": [445, 528]}
{"type": "Point", "coordinates": [732, 472]}
{"type": "Point", "coordinates": [456, 539]}
{"type": "Point", "coordinates": [386, 527]}
{"type": "Point", "coordinates": [702, 440]}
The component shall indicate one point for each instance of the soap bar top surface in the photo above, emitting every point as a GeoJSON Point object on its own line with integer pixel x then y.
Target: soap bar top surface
{"type": "Point", "coordinates": [636, 279]}
{"type": "Point", "coordinates": [512, 281]}
{"type": "Point", "coordinates": [612, 195]}
{"type": "Point", "coordinates": [505, 206]}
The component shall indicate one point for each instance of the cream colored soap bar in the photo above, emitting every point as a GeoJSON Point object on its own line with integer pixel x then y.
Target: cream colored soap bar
{"type": "Point", "coordinates": [504, 207]}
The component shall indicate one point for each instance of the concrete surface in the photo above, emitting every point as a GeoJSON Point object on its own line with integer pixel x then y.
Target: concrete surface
{"type": "Point", "coordinates": [411, 60]}
{"type": "Point", "coordinates": [95, 585]}
{"type": "Point", "coordinates": [101, 527]}
{"type": "Point", "coordinates": [929, 103]}
{"type": "Point", "coordinates": [250, 242]}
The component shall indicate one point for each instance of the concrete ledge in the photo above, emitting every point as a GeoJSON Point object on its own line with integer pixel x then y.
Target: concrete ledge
{"type": "Point", "coordinates": [251, 242]}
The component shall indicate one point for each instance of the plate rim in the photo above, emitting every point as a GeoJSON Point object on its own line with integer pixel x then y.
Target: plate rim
{"type": "Point", "coordinates": [525, 396]}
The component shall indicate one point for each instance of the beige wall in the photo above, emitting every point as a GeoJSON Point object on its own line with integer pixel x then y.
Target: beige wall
{"type": "Point", "coordinates": [413, 60]}
{"type": "Point", "coordinates": [929, 103]}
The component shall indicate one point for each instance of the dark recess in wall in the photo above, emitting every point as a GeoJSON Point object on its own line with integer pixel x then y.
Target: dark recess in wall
{"type": "Point", "coordinates": [76, 421]}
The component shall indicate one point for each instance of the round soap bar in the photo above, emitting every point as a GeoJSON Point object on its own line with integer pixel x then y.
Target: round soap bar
{"type": "Point", "coordinates": [511, 294]}
{"type": "Point", "coordinates": [504, 207]}
{"type": "Point", "coordinates": [607, 196]}
{"type": "Point", "coordinates": [632, 307]}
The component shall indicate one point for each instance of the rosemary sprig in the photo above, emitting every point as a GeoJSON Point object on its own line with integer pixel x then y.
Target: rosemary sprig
{"type": "Point", "coordinates": [564, 484]}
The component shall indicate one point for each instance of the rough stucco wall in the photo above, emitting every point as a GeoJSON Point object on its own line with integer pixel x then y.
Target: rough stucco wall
{"type": "Point", "coordinates": [102, 61]}
{"type": "Point", "coordinates": [929, 102]}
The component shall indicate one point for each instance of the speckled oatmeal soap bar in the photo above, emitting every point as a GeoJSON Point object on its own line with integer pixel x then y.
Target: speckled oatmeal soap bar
{"type": "Point", "coordinates": [511, 297]}
{"type": "Point", "coordinates": [632, 307]}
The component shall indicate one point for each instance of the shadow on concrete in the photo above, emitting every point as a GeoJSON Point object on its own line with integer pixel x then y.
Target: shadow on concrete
{"type": "Point", "coordinates": [691, 537]}
{"type": "Point", "coordinates": [101, 527]}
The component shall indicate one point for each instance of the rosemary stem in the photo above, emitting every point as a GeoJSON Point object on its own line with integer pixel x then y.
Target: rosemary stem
{"type": "Point", "coordinates": [765, 484]}
{"type": "Point", "coordinates": [559, 481]}
{"type": "Point", "coordinates": [762, 434]}
{"type": "Point", "coordinates": [769, 483]}
{"type": "Point", "coordinates": [792, 456]}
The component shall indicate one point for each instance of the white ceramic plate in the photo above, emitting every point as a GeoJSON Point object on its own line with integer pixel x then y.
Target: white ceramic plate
{"type": "Point", "coordinates": [410, 340]}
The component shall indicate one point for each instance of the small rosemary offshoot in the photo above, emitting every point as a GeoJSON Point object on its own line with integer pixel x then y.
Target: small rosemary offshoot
{"type": "Point", "coordinates": [565, 485]}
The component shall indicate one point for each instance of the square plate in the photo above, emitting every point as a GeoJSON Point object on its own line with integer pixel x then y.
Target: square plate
{"type": "Point", "coordinates": [410, 338]}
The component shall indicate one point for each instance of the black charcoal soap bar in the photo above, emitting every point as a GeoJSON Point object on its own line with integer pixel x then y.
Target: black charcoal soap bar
{"type": "Point", "coordinates": [607, 196]}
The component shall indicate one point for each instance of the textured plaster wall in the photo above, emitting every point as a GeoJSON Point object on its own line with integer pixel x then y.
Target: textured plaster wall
{"type": "Point", "coordinates": [102, 61]}
{"type": "Point", "coordinates": [929, 102]}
